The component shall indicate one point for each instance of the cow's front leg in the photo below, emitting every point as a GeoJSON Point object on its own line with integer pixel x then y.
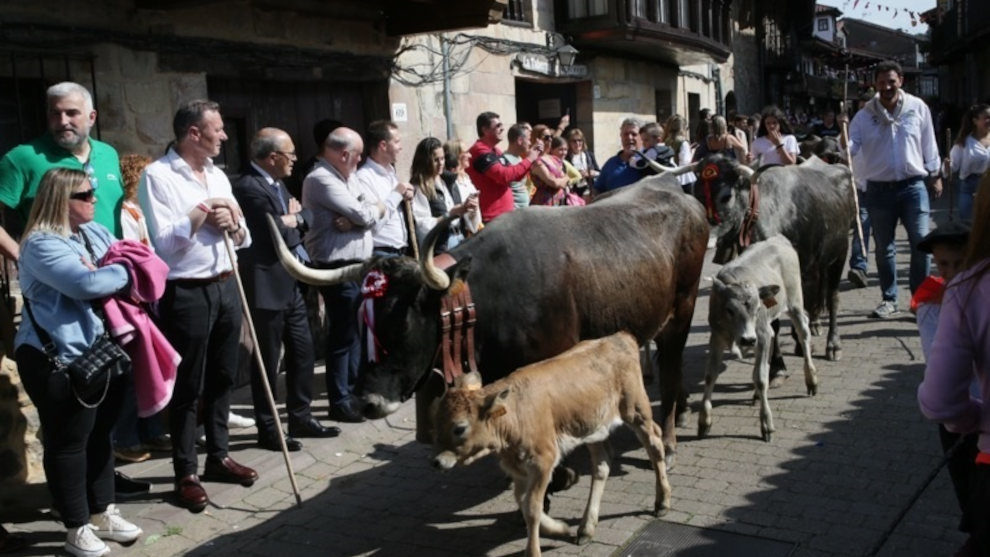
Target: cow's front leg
{"type": "Point", "coordinates": [799, 322]}
{"type": "Point", "coordinates": [761, 379]}
{"type": "Point", "coordinates": [833, 348]}
{"type": "Point", "coordinates": [716, 347]}
{"type": "Point", "coordinates": [599, 475]}
{"type": "Point", "coordinates": [778, 368]}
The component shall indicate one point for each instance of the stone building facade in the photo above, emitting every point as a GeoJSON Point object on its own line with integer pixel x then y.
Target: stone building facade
{"type": "Point", "coordinates": [290, 63]}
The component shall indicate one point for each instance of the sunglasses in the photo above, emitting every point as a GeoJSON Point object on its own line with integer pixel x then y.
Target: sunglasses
{"type": "Point", "coordinates": [87, 195]}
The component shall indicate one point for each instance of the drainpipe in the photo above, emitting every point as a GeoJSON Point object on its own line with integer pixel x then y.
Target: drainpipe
{"type": "Point", "coordinates": [447, 101]}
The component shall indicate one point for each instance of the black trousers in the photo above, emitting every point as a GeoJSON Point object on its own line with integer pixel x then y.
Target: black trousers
{"type": "Point", "coordinates": [78, 457]}
{"type": "Point", "coordinates": [289, 326]}
{"type": "Point", "coordinates": [203, 323]}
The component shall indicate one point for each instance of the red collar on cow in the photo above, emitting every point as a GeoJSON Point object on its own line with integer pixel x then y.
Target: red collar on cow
{"type": "Point", "coordinates": [752, 214]}
{"type": "Point", "coordinates": [457, 319]}
{"type": "Point", "coordinates": [709, 173]}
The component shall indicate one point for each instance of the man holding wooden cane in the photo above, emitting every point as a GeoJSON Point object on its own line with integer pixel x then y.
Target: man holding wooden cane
{"type": "Point", "coordinates": [190, 207]}
{"type": "Point", "coordinates": [894, 139]}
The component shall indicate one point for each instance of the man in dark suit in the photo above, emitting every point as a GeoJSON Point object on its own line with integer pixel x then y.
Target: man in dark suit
{"type": "Point", "coordinates": [274, 298]}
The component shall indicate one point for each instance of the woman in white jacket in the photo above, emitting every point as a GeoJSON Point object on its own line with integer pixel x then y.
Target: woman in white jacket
{"type": "Point", "coordinates": [433, 200]}
{"type": "Point", "coordinates": [970, 155]}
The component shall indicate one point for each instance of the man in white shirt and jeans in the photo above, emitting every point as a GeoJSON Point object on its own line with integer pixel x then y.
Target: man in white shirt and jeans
{"type": "Point", "coordinates": [189, 206]}
{"type": "Point", "coordinates": [894, 139]}
{"type": "Point", "coordinates": [381, 184]}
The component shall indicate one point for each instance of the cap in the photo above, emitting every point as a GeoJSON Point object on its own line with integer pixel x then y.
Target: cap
{"type": "Point", "coordinates": [952, 232]}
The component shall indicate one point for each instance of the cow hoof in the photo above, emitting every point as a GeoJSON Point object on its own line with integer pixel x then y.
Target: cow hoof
{"type": "Point", "coordinates": [583, 539]}
{"type": "Point", "coordinates": [704, 430]}
{"type": "Point", "coordinates": [815, 327]}
{"type": "Point", "coordinates": [681, 420]}
{"type": "Point", "coordinates": [659, 511]}
{"type": "Point", "coordinates": [563, 479]}
{"type": "Point", "coordinates": [778, 379]}
{"type": "Point", "coordinates": [768, 436]}
{"type": "Point", "coordinates": [812, 390]}
{"type": "Point", "coordinates": [833, 354]}
{"type": "Point", "coordinates": [669, 458]}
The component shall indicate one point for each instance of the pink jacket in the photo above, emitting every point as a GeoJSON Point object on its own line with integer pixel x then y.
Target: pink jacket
{"type": "Point", "coordinates": [154, 361]}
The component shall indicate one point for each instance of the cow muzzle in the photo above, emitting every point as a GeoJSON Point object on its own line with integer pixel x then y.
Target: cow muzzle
{"type": "Point", "coordinates": [445, 460]}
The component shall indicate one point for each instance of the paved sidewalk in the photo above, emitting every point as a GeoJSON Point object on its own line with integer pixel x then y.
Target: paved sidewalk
{"type": "Point", "coordinates": [841, 471]}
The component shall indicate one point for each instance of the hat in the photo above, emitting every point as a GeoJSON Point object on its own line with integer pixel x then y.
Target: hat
{"type": "Point", "coordinates": [952, 232]}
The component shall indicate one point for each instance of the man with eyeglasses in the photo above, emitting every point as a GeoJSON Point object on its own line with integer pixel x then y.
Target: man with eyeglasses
{"type": "Point", "coordinates": [67, 144]}
{"type": "Point", "coordinates": [274, 298]}
{"type": "Point", "coordinates": [488, 170]}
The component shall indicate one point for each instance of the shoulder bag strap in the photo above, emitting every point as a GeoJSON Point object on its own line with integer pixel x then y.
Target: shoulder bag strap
{"type": "Point", "coordinates": [46, 341]}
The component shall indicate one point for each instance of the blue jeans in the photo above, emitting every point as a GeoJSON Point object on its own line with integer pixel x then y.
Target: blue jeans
{"type": "Point", "coordinates": [967, 189]}
{"type": "Point", "coordinates": [856, 259]}
{"type": "Point", "coordinates": [907, 201]}
{"type": "Point", "coordinates": [343, 342]}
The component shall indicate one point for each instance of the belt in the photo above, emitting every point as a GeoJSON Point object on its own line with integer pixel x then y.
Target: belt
{"type": "Point", "coordinates": [897, 182]}
{"type": "Point", "coordinates": [394, 251]}
{"type": "Point", "coordinates": [202, 281]}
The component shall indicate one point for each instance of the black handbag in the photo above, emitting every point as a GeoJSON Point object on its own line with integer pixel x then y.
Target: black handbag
{"type": "Point", "coordinates": [89, 374]}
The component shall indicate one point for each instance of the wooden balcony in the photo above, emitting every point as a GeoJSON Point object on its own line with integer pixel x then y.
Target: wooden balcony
{"type": "Point", "coordinates": [678, 32]}
{"type": "Point", "coordinates": [959, 30]}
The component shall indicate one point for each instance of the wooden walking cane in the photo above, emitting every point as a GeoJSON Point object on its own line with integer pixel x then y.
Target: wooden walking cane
{"type": "Point", "coordinates": [852, 175]}
{"type": "Point", "coordinates": [261, 367]}
{"type": "Point", "coordinates": [411, 228]}
{"type": "Point", "coordinates": [948, 177]}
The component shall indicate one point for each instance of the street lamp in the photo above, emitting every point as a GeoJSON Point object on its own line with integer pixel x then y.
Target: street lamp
{"type": "Point", "coordinates": [567, 54]}
{"type": "Point", "coordinates": [557, 45]}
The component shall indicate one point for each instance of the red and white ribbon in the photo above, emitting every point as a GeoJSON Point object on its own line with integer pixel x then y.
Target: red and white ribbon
{"type": "Point", "coordinates": [374, 286]}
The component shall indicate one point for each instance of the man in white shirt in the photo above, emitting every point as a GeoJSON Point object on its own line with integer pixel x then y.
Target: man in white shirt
{"type": "Point", "coordinates": [343, 218]}
{"type": "Point", "coordinates": [190, 208]}
{"type": "Point", "coordinates": [894, 139]}
{"type": "Point", "coordinates": [381, 185]}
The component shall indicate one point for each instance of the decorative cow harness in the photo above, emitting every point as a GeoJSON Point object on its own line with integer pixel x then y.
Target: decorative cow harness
{"type": "Point", "coordinates": [457, 320]}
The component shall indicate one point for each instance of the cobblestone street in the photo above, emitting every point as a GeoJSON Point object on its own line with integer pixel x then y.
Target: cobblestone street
{"type": "Point", "coordinates": [842, 476]}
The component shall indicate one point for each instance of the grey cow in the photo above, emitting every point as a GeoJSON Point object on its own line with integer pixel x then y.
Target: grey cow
{"type": "Point", "coordinates": [749, 293]}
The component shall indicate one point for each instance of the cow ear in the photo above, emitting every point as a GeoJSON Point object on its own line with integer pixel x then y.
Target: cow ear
{"type": "Point", "coordinates": [767, 294]}
{"type": "Point", "coordinates": [495, 406]}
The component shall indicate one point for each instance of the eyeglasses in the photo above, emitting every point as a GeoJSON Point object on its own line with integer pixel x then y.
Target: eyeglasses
{"type": "Point", "coordinates": [547, 137]}
{"type": "Point", "coordinates": [86, 196]}
{"type": "Point", "coordinates": [291, 155]}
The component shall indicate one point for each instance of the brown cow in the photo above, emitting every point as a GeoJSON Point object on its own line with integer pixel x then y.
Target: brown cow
{"type": "Point", "coordinates": [535, 416]}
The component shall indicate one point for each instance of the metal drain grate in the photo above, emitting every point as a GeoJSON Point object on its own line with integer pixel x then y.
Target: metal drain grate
{"type": "Point", "coordinates": [668, 539]}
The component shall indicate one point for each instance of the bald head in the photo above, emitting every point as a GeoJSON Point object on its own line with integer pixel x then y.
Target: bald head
{"type": "Point", "coordinates": [342, 150]}
{"type": "Point", "coordinates": [272, 149]}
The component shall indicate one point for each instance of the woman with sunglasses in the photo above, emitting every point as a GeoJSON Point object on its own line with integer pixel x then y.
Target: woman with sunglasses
{"type": "Point", "coordinates": [582, 159]}
{"type": "Point", "coordinates": [60, 281]}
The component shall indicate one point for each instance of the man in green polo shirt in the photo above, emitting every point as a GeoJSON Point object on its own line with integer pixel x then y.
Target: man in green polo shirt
{"type": "Point", "coordinates": [68, 144]}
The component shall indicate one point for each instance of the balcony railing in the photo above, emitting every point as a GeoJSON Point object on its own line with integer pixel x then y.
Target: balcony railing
{"type": "Point", "coordinates": [677, 31]}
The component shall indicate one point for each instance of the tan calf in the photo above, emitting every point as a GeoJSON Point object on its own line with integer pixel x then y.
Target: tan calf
{"type": "Point", "coordinates": [535, 416]}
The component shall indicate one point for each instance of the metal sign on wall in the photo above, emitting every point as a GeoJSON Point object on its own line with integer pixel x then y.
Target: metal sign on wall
{"type": "Point", "coordinates": [538, 63]}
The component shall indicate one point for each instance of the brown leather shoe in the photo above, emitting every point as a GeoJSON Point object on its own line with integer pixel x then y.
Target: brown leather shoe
{"type": "Point", "coordinates": [191, 493]}
{"type": "Point", "coordinates": [228, 471]}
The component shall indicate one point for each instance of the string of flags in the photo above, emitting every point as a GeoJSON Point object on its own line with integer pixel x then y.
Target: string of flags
{"type": "Point", "coordinates": [915, 16]}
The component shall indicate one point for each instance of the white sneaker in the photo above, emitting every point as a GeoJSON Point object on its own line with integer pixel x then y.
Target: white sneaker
{"type": "Point", "coordinates": [236, 421]}
{"type": "Point", "coordinates": [111, 526]}
{"type": "Point", "coordinates": [83, 542]}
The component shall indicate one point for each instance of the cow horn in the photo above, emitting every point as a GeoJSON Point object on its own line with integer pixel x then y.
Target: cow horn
{"type": "Point", "coordinates": [302, 273]}
{"type": "Point", "coordinates": [434, 277]}
{"type": "Point", "coordinates": [746, 171]}
{"type": "Point", "coordinates": [683, 169]}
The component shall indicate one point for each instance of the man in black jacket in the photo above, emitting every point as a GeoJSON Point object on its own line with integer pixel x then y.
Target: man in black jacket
{"type": "Point", "coordinates": [274, 298]}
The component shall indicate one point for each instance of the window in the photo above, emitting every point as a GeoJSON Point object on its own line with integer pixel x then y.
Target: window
{"type": "Point", "coordinates": [577, 9]}
{"type": "Point", "coordinates": [823, 24]}
{"type": "Point", "coordinates": [515, 11]}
